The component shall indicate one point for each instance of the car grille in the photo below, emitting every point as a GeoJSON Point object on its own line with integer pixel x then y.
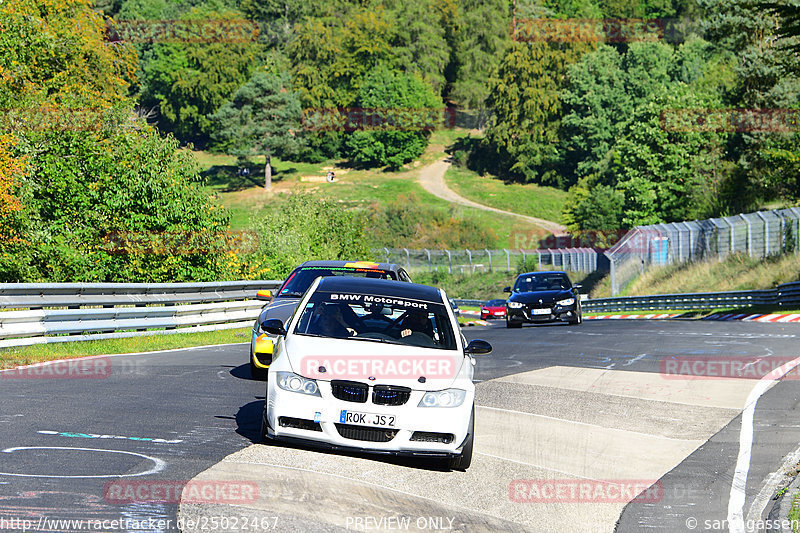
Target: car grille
{"type": "Point", "coordinates": [389, 395]}
{"type": "Point", "coordinates": [350, 391]}
{"type": "Point", "coordinates": [299, 423]}
{"type": "Point", "coordinates": [364, 433]}
{"type": "Point", "coordinates": [430, 436]}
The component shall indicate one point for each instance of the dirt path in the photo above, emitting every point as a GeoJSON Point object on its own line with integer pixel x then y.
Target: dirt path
{"type": "Point", "coordinates": [432, 180]}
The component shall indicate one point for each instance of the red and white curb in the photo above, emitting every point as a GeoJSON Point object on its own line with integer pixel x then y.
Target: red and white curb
{"type": "Point", "coordinates": [651, 316]}
{"type": "Point", "coordinates": [755, 317]}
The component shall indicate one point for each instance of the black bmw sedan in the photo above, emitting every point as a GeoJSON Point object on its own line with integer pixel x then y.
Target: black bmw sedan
{"type": "Point", "coordinates": [543, 297]}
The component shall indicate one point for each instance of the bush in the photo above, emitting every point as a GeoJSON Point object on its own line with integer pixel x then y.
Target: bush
{"type": "Point", "coordinates": [406, 222]}
{"type": "Point", "coordinates": [303, 227]}
{"type": "Point", "coordinates": [121, 206]}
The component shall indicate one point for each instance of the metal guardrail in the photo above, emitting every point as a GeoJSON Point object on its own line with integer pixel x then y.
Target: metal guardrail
{"type": "Point", "coordinates": [786, 295]}
{"type": "Point", "coordinates": [37, 313]}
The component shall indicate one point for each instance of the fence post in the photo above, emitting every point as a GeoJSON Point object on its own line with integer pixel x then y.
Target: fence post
{"type": "Point", "coordinates": [749, 235]}
{"type": "Point", "coordinates": [408, 258]}
{"type": "Point", "coordinates": [387, 254]}
{"type": "Point", "coordinates": [471, 268]}
{"type": "Point", "coordinates": [449, 262]}
{"type": "Point", "coordinates": [796, 213]}
{"type": "Point", "coordinates": [766, 232]}
{"type": "Point", "coordinates": [508, 260]}
{"type": "Point", "coordinates": [490, 258]}
{"type": "Point", "coordinates": [691, 248]}
{"type": "Point", "coordinates": [524, 261]}
{"type": "Point", "coordinates": [614, 290]}
{"type": "Point", "coordinates": [430, 267]}
{"type": "Point", "coordinates": [783, 231]}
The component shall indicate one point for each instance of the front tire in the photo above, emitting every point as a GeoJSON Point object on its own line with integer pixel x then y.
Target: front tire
{"type": "Point", "coordinates": [256, 373]}
{"type": "Point", "coordinates": [263, 434]}
{"type": "Point", "coordinates": [513, 324]}
{"type": "Point", "coordinates": [462, 461]}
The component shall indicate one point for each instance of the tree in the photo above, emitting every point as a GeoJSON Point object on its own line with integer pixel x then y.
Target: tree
{"type": "Point", "coordinates": [54, 54]}
{"type": "Point", "coordinates": [478, 38]}
{"type": "Point", "coordinates": [400, 111]}
{"type": "Point", "coordinates": [668, 174]}
{"type": "Point", "coordinates": [525, 98]}
{"type": "Point", "coordinates": [190, 81]}
{"type": "Point", "coordinates": [262, 118]}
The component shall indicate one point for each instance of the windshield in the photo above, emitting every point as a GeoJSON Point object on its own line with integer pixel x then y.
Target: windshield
{"type": "Point", "coordinates": [301, 279]}
{"type": "Point", "coordinates": [542, 282]}
{"type": "Point", "coordinates": [377, 318]}
{"type": "Point", "coordinates": [495, 303]}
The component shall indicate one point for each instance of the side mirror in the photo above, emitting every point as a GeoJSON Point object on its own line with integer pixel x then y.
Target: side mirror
{"type": "Point", "coordinates": [274, 326]}
{"type": "Point", "coordinates": [478, 347]}
{"type": "Point", "coordinates": [507, 289]}
{"type": "Point", "coordinates": [264, 295]}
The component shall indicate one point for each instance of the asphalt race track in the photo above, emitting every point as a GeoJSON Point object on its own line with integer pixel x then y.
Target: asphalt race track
{"type": "Point", "coordinates": [573, 423]}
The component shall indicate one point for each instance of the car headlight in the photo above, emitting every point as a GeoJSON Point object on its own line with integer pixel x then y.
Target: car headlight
{"type": "Point", "coordinates": [295, 383]}
{"type": "Point", "coordinates": [515, 305]}
{"type": "Point", "coordinates": [568, 301]}
{"type": "Point", "coordinates": [443, 398]}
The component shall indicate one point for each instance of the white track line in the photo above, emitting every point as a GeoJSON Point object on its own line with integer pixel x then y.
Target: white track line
{"type": "Point", "coordinates": [739, 483]}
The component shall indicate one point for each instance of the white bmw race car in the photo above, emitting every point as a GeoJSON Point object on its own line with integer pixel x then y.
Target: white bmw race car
{"type": "Point", "coordinates": [373, 365]}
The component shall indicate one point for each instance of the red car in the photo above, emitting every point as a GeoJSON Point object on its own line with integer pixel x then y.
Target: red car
{"type": "Point", "coordinates": [493, 309]}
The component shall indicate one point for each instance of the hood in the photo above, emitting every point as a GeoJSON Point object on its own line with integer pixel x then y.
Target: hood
{"type": "Point", "coordinates": [390, 364]}
{"type": "Point", "coordinates": [280, 308]}
{"type": "Point", "coordinates": [545, 296]}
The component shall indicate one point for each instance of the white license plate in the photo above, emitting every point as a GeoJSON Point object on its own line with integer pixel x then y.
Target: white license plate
{"type": "Point", "coordinates": [366, 419]}
{"type": "Point", "coordinates": [500, 313]}
{"type": "Point", "coordinates": [541, 311]}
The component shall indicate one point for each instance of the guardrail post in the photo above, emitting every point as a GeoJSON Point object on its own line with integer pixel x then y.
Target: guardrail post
{"type": "Point", "coordinates": [508, 260]}
{"type": "Point", "coordinates": [490, 258]}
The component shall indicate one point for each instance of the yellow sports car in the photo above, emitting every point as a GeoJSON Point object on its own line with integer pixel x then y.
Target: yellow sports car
{"type": "Point", "coordinates": [283, 302]}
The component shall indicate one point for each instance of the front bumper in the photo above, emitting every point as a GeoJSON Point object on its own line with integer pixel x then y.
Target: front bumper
{"type": "Point", "coordinates": [317, 421]}
{"type": "Point", "coordinates": [555, 313]}
{"type": "Point", "coordinates": [262, 348]}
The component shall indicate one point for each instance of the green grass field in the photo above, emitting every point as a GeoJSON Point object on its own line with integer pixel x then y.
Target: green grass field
{"type": "Point", "coordinates": [246, 198]}
{"type": "Point", "coordinates": [25, 355]}
{"type": "Point", "coordinates": [525, 199]}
